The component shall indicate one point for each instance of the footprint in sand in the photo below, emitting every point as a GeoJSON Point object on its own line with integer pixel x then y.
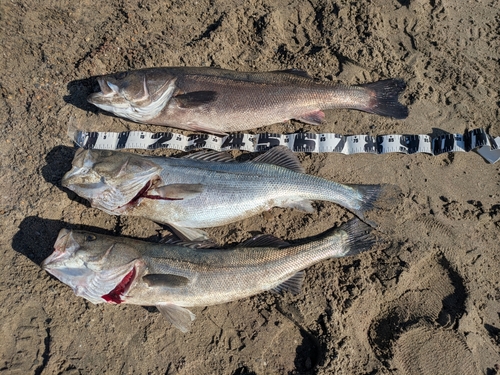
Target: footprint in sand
{"type": "Point", "coordinates": [414, 332]}
{"type": "Point", "coordinates": [25, 341]}
{"type": "Point", "coordinates": [427, 350]}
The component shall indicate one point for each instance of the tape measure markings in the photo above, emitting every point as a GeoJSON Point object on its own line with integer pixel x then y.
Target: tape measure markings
{"type": "Point", "coordinates": [297, 142]}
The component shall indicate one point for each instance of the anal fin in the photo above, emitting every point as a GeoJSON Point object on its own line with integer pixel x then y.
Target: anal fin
{"type": "Point", "coordinates": [206, 128]}
{"type": "Point", "coordinates": [313, 118]}
{"type": "Point", "coordinates": [293, 284]}
{"type": "Point", "coordinates": [302, 205]}
{"type": "Point", "coordinates": [180, 317]}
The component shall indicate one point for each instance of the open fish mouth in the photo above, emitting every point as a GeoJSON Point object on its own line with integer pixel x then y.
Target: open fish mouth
{"type": "Point", "coordinates": [108, 96]}
{"type": "Point", "coordinates": [111, 181]}
{"type": "Point", "coordinates": [59, 250]}
{"type": "Point", "coordinates": [89, 275]}
{"type": "Point", "coordinates": [107, 89]}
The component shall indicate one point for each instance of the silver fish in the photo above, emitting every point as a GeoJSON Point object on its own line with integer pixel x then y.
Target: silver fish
{"type": "Point", "coordinates": [172, 277]}
{"type": "Point", "coordinates": [219, 101]}
{"type": "Point", "coordinates": [208, 189]}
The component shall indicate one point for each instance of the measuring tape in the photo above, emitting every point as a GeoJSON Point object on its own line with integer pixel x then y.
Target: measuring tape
{"type": "Point", "coordinates": [487, 146]}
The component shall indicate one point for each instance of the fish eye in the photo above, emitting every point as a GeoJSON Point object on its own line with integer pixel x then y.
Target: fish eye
{"type": "Point", "coordinates": [90, 238]}
{"type": "Point", "coordinates": [121, 75]}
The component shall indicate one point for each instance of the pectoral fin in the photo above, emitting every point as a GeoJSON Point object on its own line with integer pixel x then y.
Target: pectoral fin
{"type": "Point", "coordinates": [195, 98]}
{"type": "Point", "coordinates": [179, 191]}
{"type": "Point", "coordinates": [180, 317]}
{"type": "Point", "coordinates": [165, 280]}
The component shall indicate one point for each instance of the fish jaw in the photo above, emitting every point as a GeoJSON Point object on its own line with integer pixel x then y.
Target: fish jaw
{"type": "Point", "coordinates": [132, 98]}
{"type": "Point", "coordinates": [61, 251]}
{"type": "Point", "coordinates": [93, 277]}
{"type": "Point", "coordinates": [109, 98]}
{"type": "Point", "coordinates": [100, 194]}
{"type": "Point", "coordinates": [111, 181]}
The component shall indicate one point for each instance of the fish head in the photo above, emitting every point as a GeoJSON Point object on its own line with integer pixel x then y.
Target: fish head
{"type": "Point", "coordinates": [138, 95]}
{"type": "Point", "coordinates": [98, 268]}
{"type": "Point", "coordinates": [110, 180]}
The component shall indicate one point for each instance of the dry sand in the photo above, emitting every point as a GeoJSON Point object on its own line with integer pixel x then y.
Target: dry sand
{"type": "Point", "coordinates": [429, 304]}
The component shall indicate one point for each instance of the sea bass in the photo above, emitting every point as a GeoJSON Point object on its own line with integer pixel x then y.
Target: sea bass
{"type": "Point", "coordinates": [172, 277]}
{"type": "Point", "coordinates": [219, 101]}
{"type": "Point", "coordinates": [208, 189]}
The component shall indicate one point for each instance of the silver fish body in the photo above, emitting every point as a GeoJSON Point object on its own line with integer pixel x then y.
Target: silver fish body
{"type": "Point", "coordinates": [172, 277]}
{"type": "Point", "coordinates": [209, 189]}
{"type": "Point", "coordinates": [219, 101]}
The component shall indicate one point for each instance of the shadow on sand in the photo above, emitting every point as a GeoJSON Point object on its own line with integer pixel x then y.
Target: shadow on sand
{"type": "Point", "coordinates": [36, 236]}
{"type": "Point", "coordinates": [79, 90]}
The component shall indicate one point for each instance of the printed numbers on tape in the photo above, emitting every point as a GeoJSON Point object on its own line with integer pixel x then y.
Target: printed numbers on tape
{"type": "Point", "coordinates": [487, 146]}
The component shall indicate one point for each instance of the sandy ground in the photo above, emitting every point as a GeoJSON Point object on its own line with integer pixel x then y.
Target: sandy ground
{"type": "Point", "coordinates": [429, 304]}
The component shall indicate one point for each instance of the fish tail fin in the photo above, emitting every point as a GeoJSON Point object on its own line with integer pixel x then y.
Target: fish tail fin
{"type": "Point", "coordinates": [360, 238]}
{"type": "Point", "coordinates": [375, 198]}
{"type": "Point", "coordinates": [384, 98]}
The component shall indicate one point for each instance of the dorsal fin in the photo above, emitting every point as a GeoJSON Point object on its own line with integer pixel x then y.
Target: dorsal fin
{"type": "Point", "coordinates": [293, 284]}
{"type": "Point", "coordinates": [210, 156]}
{"type": "Point", "coordinates": [297, 72]}
{"type": "Point", "coordinates": [280, 156]}
{"type": "Point", "coordinates": [264, 240]}
{"type": "Point", "coordinates": [206, 244]}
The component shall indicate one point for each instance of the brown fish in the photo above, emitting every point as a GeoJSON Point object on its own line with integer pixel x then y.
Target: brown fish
{"type": "Point", "coordinates": [219, 101]}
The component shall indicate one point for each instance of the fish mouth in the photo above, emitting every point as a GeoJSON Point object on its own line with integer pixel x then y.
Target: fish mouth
{"type": "Point", "coordinates": [107, 88]}
{"type": "Point", "coordinates": [108, 96]}
{"type": "Point", "coordinates": [113, 197]}
{"type": "Point", "coordinates": [59, 253]}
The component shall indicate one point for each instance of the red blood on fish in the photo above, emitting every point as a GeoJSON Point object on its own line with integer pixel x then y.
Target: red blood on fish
{"type": "Point", "coordinates": [115, 295]}
{"type": "Point", "coordinates": [140, 193]}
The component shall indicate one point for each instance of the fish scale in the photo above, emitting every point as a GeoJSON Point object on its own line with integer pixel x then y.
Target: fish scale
{"type": "Point", "coordinates": [175, 276]}
{"type": "Point", "coordinates": [218, 101]}
{"type": "Point", "coordinates": [206, 189]}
